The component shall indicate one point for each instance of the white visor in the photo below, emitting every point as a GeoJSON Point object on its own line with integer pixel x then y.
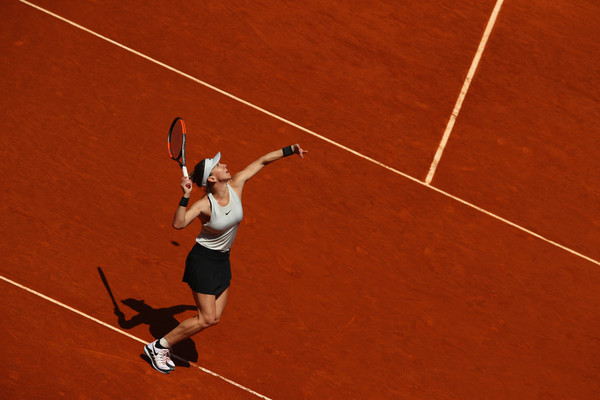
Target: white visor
{"type": "Point", "coordinates": [209, 164]}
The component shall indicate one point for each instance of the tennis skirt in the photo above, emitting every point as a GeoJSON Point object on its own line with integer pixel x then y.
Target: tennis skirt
{"type": "Point", "coordinates": [207, 271]}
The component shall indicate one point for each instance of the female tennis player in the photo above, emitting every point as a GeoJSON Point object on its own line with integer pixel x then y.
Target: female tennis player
{"type": "Point", "coordinates": [207, 268]}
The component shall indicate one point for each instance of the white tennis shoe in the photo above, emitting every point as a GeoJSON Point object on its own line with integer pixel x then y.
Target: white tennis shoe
{"type": "Point", "coordinates": [159, 358]}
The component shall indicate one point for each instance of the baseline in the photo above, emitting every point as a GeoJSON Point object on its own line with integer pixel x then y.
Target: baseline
{"type": "Point", "coordinates": [125, 333]}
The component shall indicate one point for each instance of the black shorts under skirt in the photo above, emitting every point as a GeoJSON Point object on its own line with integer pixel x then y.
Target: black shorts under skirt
{"type": "Point", "coordinates": [207, 271]}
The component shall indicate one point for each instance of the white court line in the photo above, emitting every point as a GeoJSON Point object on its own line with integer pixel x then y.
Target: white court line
{"type": "Point", "coordinates": [123, 333]}
{"type": "Point", "coordinates": [321, 137]}
{"type": "Point", "coordinates": [463, 92]}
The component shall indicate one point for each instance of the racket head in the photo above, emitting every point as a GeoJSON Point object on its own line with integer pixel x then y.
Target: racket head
{"type": "Point", "coordinates": [176, 140]}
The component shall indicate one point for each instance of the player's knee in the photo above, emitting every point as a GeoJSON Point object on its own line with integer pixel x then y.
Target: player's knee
{"type": "Point", "coordinates": [207, 320]}
{"type": "Point", "coordinates": [212, 321]}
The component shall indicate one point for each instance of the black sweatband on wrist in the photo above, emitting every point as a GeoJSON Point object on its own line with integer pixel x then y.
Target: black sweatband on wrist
{"type": "Point", "coordinates": [287, 151]}
{"type": "Point", "coordinates": [184, 201]}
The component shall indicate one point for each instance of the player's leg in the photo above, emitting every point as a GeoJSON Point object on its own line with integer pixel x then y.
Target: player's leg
{"type": "Point", "coordinates": [221, 303]}
{"type": "Point", "coordinates": [159, 350]}
{"type": "Point", "coordinates": [206, 317]}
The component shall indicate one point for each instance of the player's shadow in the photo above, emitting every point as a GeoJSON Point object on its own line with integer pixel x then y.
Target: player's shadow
{"type": "Point", "coordinates": [160, 321]}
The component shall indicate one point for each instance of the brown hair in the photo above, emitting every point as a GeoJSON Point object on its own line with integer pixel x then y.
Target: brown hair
{"type": "Point", "coordinates": [197, 175]}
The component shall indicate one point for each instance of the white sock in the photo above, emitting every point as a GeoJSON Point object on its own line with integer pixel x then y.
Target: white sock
{"type": "Point", "coordinates": [163, 342]}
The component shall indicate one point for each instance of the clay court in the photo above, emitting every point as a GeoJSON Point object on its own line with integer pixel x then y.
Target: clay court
{"type": "Point", "coordinates": [365, 271]}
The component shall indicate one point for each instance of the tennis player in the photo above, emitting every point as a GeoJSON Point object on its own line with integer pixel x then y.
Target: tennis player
{"type": "Point", "coordinates": [207, 268]}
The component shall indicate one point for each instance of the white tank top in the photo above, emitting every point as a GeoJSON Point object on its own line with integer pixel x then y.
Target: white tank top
{"type": "Point", "coordinates": [219, 232]}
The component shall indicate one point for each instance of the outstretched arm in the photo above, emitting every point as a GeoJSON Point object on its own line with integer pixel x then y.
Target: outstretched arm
{"type": "Point", "coordinates": [243, 176]}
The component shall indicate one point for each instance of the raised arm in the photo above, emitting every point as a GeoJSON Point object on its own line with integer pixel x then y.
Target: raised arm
{"type": "Point", "coordinates": [184, 215]}
{"type": "Point", "coordinates": [243, 176]}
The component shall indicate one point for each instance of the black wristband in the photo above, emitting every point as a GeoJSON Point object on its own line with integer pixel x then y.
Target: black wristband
{"type": "Point", "coordinates": [287, 151]}
{"type": "Point", "coordinates": [184, 201]}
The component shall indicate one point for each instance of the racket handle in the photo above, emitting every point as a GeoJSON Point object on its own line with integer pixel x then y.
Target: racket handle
{"type": "Point", "coordinates": [184, 170]}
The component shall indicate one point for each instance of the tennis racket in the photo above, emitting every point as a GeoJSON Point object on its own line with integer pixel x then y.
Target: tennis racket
{"type": "Point", "coordinates": [176, 143]}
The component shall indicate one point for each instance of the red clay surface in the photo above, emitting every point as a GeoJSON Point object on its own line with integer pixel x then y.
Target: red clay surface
{"type": "Point", "coordinates": [349, 281]}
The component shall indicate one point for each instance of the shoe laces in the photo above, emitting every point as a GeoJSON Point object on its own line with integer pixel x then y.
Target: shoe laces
{"type": "Point", "coordinates": [163, 354]}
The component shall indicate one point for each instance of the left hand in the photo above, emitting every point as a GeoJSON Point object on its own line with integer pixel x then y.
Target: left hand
{"type": "Point", "coordinates": [186, 185]}
{"type": "Point", "coordinates": [298, 150]}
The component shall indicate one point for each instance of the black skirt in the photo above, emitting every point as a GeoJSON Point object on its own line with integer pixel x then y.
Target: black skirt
{"type": "Point", "coordinates": [207, 271]}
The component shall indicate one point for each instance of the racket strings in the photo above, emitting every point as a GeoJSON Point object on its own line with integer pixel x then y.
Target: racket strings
{"type": "Point", "coordinates": [176, 139]}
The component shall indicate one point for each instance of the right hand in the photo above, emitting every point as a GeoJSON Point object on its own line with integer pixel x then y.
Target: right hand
{"type": "Point", "coordinates": [186, 185]}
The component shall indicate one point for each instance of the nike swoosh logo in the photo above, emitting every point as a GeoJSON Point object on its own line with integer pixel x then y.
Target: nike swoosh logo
{"type": "Point", "coordinates": [153, 351]}
{"type": "Point", "coordinates": [227, 213]}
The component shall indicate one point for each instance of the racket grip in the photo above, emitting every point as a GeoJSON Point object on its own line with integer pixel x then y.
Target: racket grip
{"type": "Point", "coordinates": [184, 170]}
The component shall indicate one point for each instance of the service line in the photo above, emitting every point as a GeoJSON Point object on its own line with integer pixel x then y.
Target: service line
{"type": "Point", "coordinates": [463, 92]}
{"type": "Point", "coordinates": [356, 153]}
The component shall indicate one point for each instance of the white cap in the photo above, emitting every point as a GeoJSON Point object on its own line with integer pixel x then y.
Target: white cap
{"type": "Point", "coordinates": [209, 164]}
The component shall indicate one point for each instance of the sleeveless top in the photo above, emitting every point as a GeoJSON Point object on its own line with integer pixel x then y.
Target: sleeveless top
{"type": "Point", "coordinates": [219, 233]}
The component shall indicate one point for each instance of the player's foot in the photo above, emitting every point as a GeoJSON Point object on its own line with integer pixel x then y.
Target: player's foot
{"type": "Point", "coordinates": [169, 362]}
{"type": "Point", "coordinates": [158, 357]}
